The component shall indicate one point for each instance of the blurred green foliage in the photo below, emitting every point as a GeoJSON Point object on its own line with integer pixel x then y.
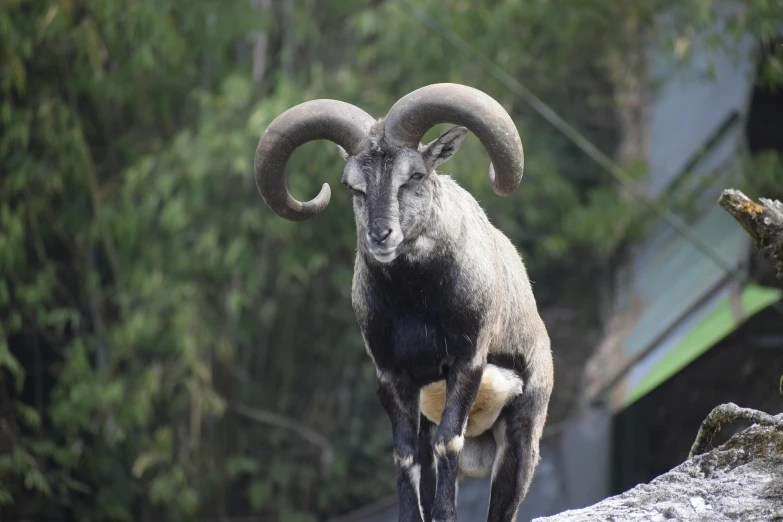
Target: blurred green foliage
{"type": "Point", "coordinates": [146, 291]}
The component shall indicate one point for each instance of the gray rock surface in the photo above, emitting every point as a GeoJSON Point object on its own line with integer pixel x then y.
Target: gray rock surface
{"type": "Point", "coordinates": [741, 480]}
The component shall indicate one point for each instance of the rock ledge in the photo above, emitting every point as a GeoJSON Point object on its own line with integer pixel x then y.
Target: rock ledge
{"type": "Point", "coordinates": [742, 480]}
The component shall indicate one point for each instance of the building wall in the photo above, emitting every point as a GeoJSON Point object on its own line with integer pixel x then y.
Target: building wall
{"type": "Point", "coordinates": [656, 433]}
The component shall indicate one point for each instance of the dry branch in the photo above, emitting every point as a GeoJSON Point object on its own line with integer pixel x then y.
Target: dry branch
{"type": "Point", "coordinates": [280, 421]}
{"type": "Point", "coordinates": [764, 223]}
{"type": "Point", "coordinates": [725, 414]}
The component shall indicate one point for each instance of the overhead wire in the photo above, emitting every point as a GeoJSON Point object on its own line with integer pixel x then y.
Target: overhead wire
{"type": "Point", "coordinates": [576, 137]}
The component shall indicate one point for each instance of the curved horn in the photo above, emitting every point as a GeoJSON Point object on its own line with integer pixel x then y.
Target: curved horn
{"type": "Point", "coordinates": [336, 121]}
{"type": "Point", "coordinates": [419, 111]}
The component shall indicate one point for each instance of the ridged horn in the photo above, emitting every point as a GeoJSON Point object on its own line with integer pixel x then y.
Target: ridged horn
{"type": "Point", "coordinates": [419, 111]}
{"type": "Point", "coordinates": [336, 121]}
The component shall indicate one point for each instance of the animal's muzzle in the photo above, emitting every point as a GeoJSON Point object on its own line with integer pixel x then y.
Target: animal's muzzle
{"type": "Point", "coordinates": [380, 231]}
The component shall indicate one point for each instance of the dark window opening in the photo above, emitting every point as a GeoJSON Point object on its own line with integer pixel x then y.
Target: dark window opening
{"type": "Point", "coordinates": [765, 118]}
{"type": "Point", "coordinates": [655, 434]}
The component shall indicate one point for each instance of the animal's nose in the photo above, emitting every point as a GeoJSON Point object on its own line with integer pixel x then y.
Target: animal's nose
{"type": "Point", "coordinates": [379, 234]}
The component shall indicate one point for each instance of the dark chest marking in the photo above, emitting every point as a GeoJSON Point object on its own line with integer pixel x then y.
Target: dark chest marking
{"type": "Point", "coordinates": [419, 319]}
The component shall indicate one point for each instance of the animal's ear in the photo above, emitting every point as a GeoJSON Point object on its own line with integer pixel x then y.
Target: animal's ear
{"type": "Point", "coordinates": [343, 153]}
{"type": "Point", "coordinates": [444, 147]}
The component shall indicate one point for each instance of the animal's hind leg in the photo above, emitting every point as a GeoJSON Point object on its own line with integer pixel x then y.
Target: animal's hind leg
{"type": "Point", "coordinates": [427, 460]}
{"type": "Point", "coordinates": [517, 434]}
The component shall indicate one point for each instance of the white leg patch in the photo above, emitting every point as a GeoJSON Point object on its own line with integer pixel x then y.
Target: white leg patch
{"type": "Point", "coordinates": [404, 463]}
{"type": "Point", "coordinates": [455, 445]}
{"type": "Point", "coordinates": [415, 475]}
{"type": "Point", "coordinates": [499, 431]}
{"type": "Point", "coordinates": [440, 449]}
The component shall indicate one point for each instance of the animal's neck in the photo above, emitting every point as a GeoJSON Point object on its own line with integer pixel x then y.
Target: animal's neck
{"type": "Point", "coordinates": [443, 227]}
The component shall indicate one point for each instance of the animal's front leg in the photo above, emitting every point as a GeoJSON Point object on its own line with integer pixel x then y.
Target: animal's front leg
{"type": "Point", "coordinates": [462, 385]}
{"type": "Point", "coordinates": [400, 399]}
{"type": "Point", "coordinates": [426, 458]}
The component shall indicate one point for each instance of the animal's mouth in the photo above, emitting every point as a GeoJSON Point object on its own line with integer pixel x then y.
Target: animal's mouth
{"type": "Point", "coordinates": [386, 255]}
{"type": "Point", "coordinates": [388, 248]}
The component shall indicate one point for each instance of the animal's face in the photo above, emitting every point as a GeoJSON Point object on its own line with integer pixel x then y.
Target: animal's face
{"type": "Point", "coordinates": [392, 189]}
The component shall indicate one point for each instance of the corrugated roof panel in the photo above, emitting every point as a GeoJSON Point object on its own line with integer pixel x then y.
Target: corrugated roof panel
{"type": "Point", "coordinates": [691, 105]}
{"type": "Point", "coordinates": [674, 276]}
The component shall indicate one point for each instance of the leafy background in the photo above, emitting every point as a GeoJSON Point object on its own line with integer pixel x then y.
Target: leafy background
{"type": "Point", "coordinates": [170, 349]}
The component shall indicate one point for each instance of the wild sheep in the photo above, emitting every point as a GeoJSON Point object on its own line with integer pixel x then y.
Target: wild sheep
{"type": "Point", "coordinates": [441, 296]}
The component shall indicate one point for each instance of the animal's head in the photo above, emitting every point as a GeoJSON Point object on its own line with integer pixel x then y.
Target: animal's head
{"type": "Point", "coordinates": [388, 170]}
{"type": "Point", "coordinates": [392, 188]}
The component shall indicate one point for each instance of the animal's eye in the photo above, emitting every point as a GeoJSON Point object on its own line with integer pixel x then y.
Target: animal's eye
{"type": "Point", "coordinates": [417, 176]}
{"type": "Point", "coordinates": [354, 192]}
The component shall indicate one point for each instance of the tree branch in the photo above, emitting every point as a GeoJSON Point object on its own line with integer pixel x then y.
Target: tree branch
{"type": "Point", "coordinates": [261, 42]}
{"type": "Point", "coordinates": [763, 222]}
{"type": "Point", "coordinates": [280, 421]}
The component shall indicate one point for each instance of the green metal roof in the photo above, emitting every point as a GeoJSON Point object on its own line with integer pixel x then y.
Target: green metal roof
{"type": "Point", "coordinates": [710, 327]}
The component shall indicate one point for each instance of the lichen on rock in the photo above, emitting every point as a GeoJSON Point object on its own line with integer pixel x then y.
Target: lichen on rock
{"type": "Point", "coordinates": [763, 222]}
